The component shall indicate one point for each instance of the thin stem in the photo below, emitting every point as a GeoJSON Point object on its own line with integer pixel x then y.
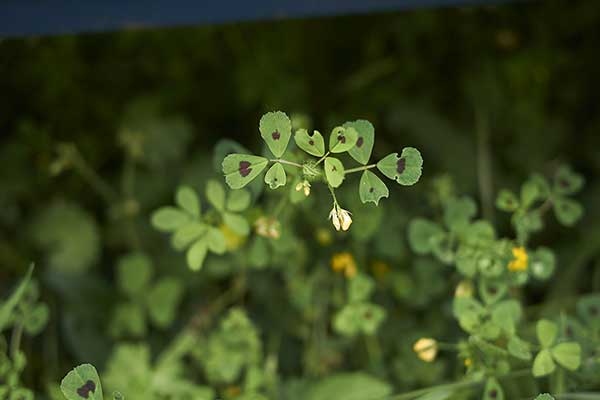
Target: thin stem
{"type": "Point", "coordinates": [15, 340]}
{"type": "Point", "coordinates": [322, 158]}
{"type": "Point", "coordinates": [335, 202]}
{"type": "Point", "coordinates": [279, 160]}
{"type": "Point", "coordinates": [358, 169]}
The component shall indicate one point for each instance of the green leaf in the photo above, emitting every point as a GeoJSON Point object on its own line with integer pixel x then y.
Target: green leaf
{"type": "Point", "coordinates": [567, 181]}
{"type": "Point", "coordinates": [422, 233]}
{"type": "Point", "coordinates": [82, 382]}
{"type": "Point", "coordinates": [238, 200]}
{"type": "Point", "coordinates": [334, 171]}
{"type": "Point", "coordinates": [168, 219]}
{"type": "Point", "coordinates": [543, 364]}
{"type": "Point", "coordinates": [237, 223]}
{"type": "Point", "coordinates": [405, 169]}
{"type": "Point", "coordinates": [507, 201]}
{"type": "Point", "coordinates": [371, 188]}
{"type": "Point", "coordinates": [215, 194]}
{"type": "Point", "coordinates": [546, 332]}
{"type": "Point", "coordinates": [134, 272]}
{"type": "Point", "coordinates": [36, 319]}
{"type": "Point", "coordinates": [276, 130]}
{"type": "Point", "coordinates": [187, 234]}
{"type": "Point", "coordinates": [529, 193]}
{"type": "Point", "coordinates": [567, 211]}
{"type": "Point", "coordinates": [568, 355]}
{"type": "Point", "coordinates": [507, 314]}
{"type": "Point", "coordinates": [542, 263]}
{"type": "Point", "coordinates": [458, 212]}
{"type": "Point", "coordinates": [6, 309]}
{"type": "Point", "coordinates": [275, 176]}
{"type": "Point", "coordinates": [241, 169]}
{"type": "Point", "coordinates": [492, 291]}
{"type": "Point", "coordinates": [129, 319]}
{"type": "Point", "coordinates": [312, 144]}
{"type": "Point", "coordinates": [187, 199]}
{"type": "Point", "coordinates": [361, 151]}
{"type": "Point", "coordinates": [349, 386]}
{"type": "Point", "coordinates": [493, 390]}
{"type": "Point", "coordinates": [519, 348]}
{"type": "Point", "coordinates": [196, 254]}
{"type": "Point", "coordinates": [163, 300]}
{"type": "Point", "coordinates": [360, 288]}
{"type": "Point", "coordinates": [216, 241]}
{"type": "Point", "coordinates": [544, 396]}
{"type": "Point", "coordinates": [342, 139]}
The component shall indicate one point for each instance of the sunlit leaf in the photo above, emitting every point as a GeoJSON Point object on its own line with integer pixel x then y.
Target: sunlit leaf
{"type": "Point", "coordinates": [163, 300]}
{"type": "Point", "coordinates": [361, 151]}
{"type": "Point", "coordinates": [275, 176]}
{"type": "Point", "coordinates": [371, 188]}
{"type": "Point", "coordinates": [312, 144]}
{"type": "Point", "coordinates": [334, 171]}
{"type": "Point", "coordinates": [543, 364]}
{"type": "Point", "coordinates": [236, 223]}
{"type": "Point", "coordinates": [276, 130]}
{"type": "Point", "coordinates": [168, 219]}
{"type": "Point", "coordinates": [405, 169]}
{"type": "Point", "coordinates": [187, 234]}
{"type": "Point", "coordinates": [568, 355]}
{"type": "Point", "coordinates": [567, 211]}
{"type": "Point", "coordinates": [187, 199]}
{"type": "Point", "coordinates": [215, 194]}
{"type": "Point", "coordinates": [241, 169]}
{"type": "Point", "coordinates": [519, 348]}
{"type": "Point", "coordinates": [134, 272]}
{"type": "Point", "coordinates": [82, 382]}
{"type": "Point", "coordinates": [196, 254]}
{"type": "Point", "coordinates": [238, 200]}
{"type": "Point", "coordinates": [342, 139]}
{"type": "Point", "coordinates": [546, 332]}
{"type": "Point", "coordinates": [216, 241]}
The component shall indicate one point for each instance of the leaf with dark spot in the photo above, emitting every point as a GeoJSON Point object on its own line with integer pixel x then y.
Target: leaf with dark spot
{"type": "Point", "coordinates": [365, 141]}
{"type": "Point", "coordinates": [312, 144]}
{"type": "Point", "coordinates": [371, 188]}
{"type": "Point", "coordinates": [241, 169]}
{"type": "Point", "coordinates": [82, 383]}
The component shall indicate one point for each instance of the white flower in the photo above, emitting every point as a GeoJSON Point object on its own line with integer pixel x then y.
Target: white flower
{"type": "Point", "coordinates": [340, 218]}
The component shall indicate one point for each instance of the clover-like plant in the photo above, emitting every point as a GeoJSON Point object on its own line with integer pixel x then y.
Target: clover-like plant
{"type": "Point", "coordinates": [356, 138]}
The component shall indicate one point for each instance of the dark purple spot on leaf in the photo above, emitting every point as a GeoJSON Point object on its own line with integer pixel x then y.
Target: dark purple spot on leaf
{"type": "Point", "coordinates": [85, 390]}
{"type": "Point", "coordinates": [341, 138]}
{"type": "Point", "coordinates": [400, 165]}
{"type": "Point", "coordinates": [276, 135]}
{"type": "Point", "coordinates": [333, 169]}
{"type": "Point", "coordinates": [368, 314]}
{"type": "Point", "coordinates": [245, 168]}
{"type": "Point", "coordinates": [493, 393]}
{"type": "Point", "coordinates": [311, 142]}
{"type": "Point", "coordinates": [493, 290]}
{"type": "Point", "coordinates": [360, 142]}
{"type": "Point", "coordinates": [371, 190]}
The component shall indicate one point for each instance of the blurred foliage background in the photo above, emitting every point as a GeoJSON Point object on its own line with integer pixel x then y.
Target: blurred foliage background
{"type": "Point", "coordinates": [488, 94]}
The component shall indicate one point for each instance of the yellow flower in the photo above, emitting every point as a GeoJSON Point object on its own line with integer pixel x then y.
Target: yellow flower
{"type": "Point", "coordinates": [426, 349]}
{"type": "Point", "coordinates": [464, 289]}
{"type": "Point", "coordinates": [520, 261]}
{"type": "Point", "coordinates": [344, 262]}
{"type": "Point", "coordinates": [233, 241]}
{"type": "Point", "coordinates": [468, 362]}
{"type": "Point", "coordinates": [268, 227]}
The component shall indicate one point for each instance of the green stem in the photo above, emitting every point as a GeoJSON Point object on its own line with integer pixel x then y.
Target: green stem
{"type": "Point", "coordinates": [358, 169]}
{"type": "Point", "coordinates": [335, 202]}
{"type": "Point", "coordinates": [279, 160]}
{"type": "Point", "coordinates": [15, 340]}
{"type": "Point", "coordinates": [322, 158]}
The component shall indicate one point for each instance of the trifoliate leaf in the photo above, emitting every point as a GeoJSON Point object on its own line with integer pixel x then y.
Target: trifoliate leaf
{"type": "Point", "coordinates": [134, 272]}
{"type": "Point", "coordinates": [69, 235]}
{"type": "Point", "coordinates": [519, 348]}
{"type": "Point", "coordinates": [236, 223]}
{"type": "Point", "coordinates": [543, 364]}
{"type": "Point", "coordinates": [36, 319]}
{"type": "Point", "coordinates": [567, 181]}
{"type": "Point", "coordinates": [567, 211]}
{"type": "Point", "coordinates": [276, 130]}
{"type": "Point", "coordinates": [187, 199]}
{"type": "Point", "coordinates": [405, 169]}
{"type": "Point", "coordinates": [216, 241]}
{"type": "Point", "coordinates": [275, 176]}
{"type": "Point", "coordinates": [196, 254]}
{"type": "Point", "coordinates": [342, 139]}
{"type": "Point", "coordinates": [568, 355]}
{"type": "Point", "coordinates": [361, 151]}
{"type": "Point", "coordinates": [507, 201]}
{"type": "Point", "coordinates": [542, 263]}
{"type": "Point", "coordinates": [241, 169]}
{"type": "Point", "coordinates": [372, 188]}
{"type": "Point", "coordinates": [334, 171]}
{"type": "Point", "coordinates": [238, 200]}
{"type": "Point", "coordinates": [422, 234]}
{"type": "Point", "coordinates": [82, 382]}
{"type": "Point", "coordinates": [187, 234]}
{"type": "Point", "coordinates": [162, 301]}
{"type": "Point", "coordinates": [492, 390]}
{"type": "Point", "coordinates": [546, 332]}
{"type": "Point", "coordinates": [544, 396]}
{"type": "Point", "coordinates": [215, 194]}
{"type": "Point", "coordinates": [312, 144]}
{"type": "Point", "coordinates": [169, 219]}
